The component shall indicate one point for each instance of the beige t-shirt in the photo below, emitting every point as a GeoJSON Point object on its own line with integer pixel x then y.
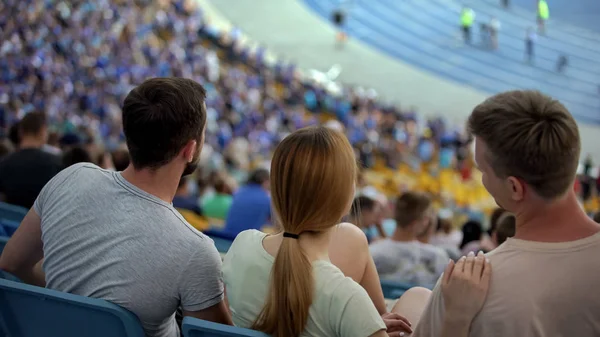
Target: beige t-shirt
{"type": "Point", "coordinates": [537, 290]}
{"type": "Point", "coordinates": [341, 307]}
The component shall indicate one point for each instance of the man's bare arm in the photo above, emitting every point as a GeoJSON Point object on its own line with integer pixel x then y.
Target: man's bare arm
{"type": "Point", "coordinates": [23, 253]}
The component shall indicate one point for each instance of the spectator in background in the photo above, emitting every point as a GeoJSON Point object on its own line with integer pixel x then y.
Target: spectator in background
{"type": "Point", "coordinates": [6, 148]}
{"type": "Point", "coordinates": [505, 229]}
{"type": "Point", "coordinates": [365, 213]}
{"type": "Point", "coordinates": [550, 268]}
{"type": "Point", "coordinates": [183, 199]}
{"type": "Point", "coordinates": [217, 206]}
{"type": "Point", "coordinates": [24, 173]}
{"type": "Point", "coordinates": [446, 236]}
{"type": "Point", "coordinates": [597, 217]}
{"type": "Point", "coordinates": [120, 158]}
{"type": "Point", "coordinates": [119, 222]}
{"type": "Point", "coordinates": [402, 258]}
{"type": "Point", "coordinates": [472, 235]}
{"type": "Point", "coordinates": [75, 155]}
{"type": "Point", "coordinates": [251, 206]}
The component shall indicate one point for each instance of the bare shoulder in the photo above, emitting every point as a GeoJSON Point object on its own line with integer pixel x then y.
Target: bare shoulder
{"type": "Point", "coordinates": [350, 234]}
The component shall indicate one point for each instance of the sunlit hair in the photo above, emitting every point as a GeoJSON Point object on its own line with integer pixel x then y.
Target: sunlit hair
{"type": "Point", "coordinates": [313, 173]}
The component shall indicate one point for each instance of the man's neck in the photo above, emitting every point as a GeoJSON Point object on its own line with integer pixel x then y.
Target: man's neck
{"type": "Point", "coordinates": [31, 143]}
{"type": "Point", "coordinates": [404, 234]}
{"type": "Point", "coordinates": [560, 221]}
{"type": "Point", "coordinates": [161, 183]}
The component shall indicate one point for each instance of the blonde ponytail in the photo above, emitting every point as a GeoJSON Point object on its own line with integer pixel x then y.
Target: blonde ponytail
{"type": "Point", "coordinates": [291, 293]}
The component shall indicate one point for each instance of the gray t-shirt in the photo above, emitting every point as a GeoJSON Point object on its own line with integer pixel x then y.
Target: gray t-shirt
{"type": "Point", "coordinates": [410, 262]}
{"type": "Point", "coordinates": [105, 238]}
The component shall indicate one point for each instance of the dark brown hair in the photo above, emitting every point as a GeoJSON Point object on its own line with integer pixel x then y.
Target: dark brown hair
{"type": "Point", "coordinates": [529, 136]}
{"type": "Point", "coordinates": [160, 117]}
{"type": "Point", "coordinates": [410, 207]}
{"type": "Point", "coordinates": [32, 124]}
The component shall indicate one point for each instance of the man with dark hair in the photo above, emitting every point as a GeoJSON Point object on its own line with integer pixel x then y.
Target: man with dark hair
{"type": "Point", "coordinates": [115, 235]}
{"type": "Point", "coordinates": [402, 258]}
{"type": "Point", "coordinates": [251, 205]}
{"type": "Point", "coordinates": [544, 283]}
{"type": "Point", "coordinates": [24, 173]}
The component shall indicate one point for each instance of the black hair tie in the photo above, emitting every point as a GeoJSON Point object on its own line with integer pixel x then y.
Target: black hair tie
{"type": "Point", "coordinates": [290, 235]}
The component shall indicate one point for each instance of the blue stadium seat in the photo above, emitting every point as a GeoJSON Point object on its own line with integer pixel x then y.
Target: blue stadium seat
{"type": "Point", "coordinates": [11, 214]}
{"type": "Point", "coordinates": [3, 241]}
{"type": "Point", "coordinates": [29, 311]}
{"type": "Point", "coordinates": [9, 227]}
{"type": "Point", "coordinates": [222, 240]}
{"type": "Point", "coordinates": [193, 327]}
{"type": "Point", "coordinates": [393, 290]}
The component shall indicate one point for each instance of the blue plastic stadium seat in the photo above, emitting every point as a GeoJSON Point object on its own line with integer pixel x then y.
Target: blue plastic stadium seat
{"type": "Point", "coordinates": [29, 311]}
{"type": "Point", "coordinates": [193, 327]}
{"type": "Point", "coordinates": [393, 290]}
{"type": "Point", "coordinates": [12, 213]}
{"type": "Point", "coordinates": [222, 239]}
{"type": "Point", "coordinates": [9, 227]}
{"type": "Point", "coordinates": [3, 241]}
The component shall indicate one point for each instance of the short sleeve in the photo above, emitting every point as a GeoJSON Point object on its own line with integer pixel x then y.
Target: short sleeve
{"type": "Point", "coordinates": [52, 185]}
{"type": "Point", "coordinates": [430, 323]}
{"type": "Point", "coordinates": [357, 317]}
{"type": "Point", "coordinates": [201, 281]}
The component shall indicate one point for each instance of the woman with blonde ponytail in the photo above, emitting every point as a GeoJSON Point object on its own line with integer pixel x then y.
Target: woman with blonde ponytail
{"type": "Point", "coordinates": [284, 284]}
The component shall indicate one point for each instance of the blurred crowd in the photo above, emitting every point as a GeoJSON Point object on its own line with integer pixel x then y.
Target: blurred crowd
{"type": "Point", "coordinates": [77, 60]}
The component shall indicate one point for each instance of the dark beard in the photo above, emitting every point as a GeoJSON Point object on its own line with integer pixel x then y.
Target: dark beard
{"type": "Point", "coordinates": [189, 169]}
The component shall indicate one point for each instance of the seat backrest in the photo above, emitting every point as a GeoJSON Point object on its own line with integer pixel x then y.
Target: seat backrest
{"type": "Point", "coordinates": [29, 311]}
{"type": "Point", "coordinates": [193, 327]}
{"type": "Point", "coordinates": [3, 241]}
{"type": "Point", "coordinates": [393, 290]}
{"type": "Point", "coordinates": [12, 212]}
{"type": "Point", "coordinates": [9, 227]}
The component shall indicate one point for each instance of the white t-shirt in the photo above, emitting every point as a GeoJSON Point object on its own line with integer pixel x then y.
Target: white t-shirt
{"type": "Point", "coordinates": [537, 289]}
{"type": "Point", "coordinates": [411, 262]}
{"type": "Point", "coordinates": [341, 307]}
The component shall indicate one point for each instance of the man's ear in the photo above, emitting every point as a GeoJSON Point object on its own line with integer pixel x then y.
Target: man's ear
{"type": "Point", "coordinates": [189, 150]}
{"type": "Point", "coordinates": [517, 188]}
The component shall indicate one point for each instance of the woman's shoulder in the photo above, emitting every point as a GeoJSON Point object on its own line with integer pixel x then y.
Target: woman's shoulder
{"type": "Point", "coordinates": [245, 240]}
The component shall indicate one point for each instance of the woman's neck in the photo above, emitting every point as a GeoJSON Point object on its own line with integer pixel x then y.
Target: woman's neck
{"type": "Point", "coordinates": [315, 245]}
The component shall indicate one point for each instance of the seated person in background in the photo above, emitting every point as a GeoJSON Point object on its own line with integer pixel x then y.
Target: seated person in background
{"type": "Point", "coordinates": [487, 241]}
{"type": "Point", "coordinates": [445, 235]}
{"type": "Point", "coordinates": [402, 258]}
{"type": "Point", "coordinates": [120, 158]}
{"type": "Point", "coordinates": [365, 213]}
{"type": "Point", "coordinates": [75, 155]}
{"type": "Point", "coordinates": [24, 172]}
{"type": "Point", "coordinates": [472, 235]}
{"type": "Point", "coordinates": [183, 199]}
{"type": "Point", "coordinates": [115, 235]}
{"type": "Point", "coordinates": [545, 278]}
{"type": "Point", "coordinates": [285, 285]}
{"type": "Point", "coordinates": [251, 206]}
{"type": "Point", "coordinates": [217, 206]}
{"type": "Point", "coordinates": [428, 232]}
{"type": "Point", "coordinates": [505, 229]}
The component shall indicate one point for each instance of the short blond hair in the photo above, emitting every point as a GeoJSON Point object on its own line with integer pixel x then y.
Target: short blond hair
{"type": "Point", "coordinates": [529, 136]}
